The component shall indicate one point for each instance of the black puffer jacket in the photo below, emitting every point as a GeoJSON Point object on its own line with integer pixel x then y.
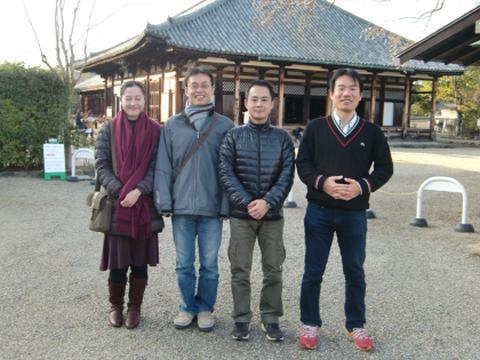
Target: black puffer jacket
{"type": "Point", "coordinates": [256, 162]}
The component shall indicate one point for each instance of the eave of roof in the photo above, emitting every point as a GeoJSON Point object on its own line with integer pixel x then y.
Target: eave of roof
{"type": "Point", "coordinates": [224, 27]}
{"type": "Point", "coordinates": [421, 48]}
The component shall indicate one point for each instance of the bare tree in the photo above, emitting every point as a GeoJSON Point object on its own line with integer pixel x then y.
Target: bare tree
{"type": "Point", "coordinates": [66, 66]}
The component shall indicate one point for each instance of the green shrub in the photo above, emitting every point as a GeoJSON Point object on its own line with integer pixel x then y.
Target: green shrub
{"type": "Point", "coordinates": [33, 108]}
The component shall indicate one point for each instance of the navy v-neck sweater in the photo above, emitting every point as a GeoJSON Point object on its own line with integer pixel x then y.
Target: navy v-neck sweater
{"type": "Point", "coordinates": [324, 151]}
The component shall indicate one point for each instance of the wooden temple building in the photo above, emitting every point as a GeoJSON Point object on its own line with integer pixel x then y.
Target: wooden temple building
{"type": "Point", "coordinates": [296, 45]}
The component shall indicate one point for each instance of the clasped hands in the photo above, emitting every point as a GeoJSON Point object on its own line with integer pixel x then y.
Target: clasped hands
{"type": "Point", "coordinates": [257, 208]}
{"type": "Point", "coordinates": [347, 190]}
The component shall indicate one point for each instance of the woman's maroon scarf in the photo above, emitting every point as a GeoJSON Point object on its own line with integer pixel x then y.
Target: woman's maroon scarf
{"type": "Point", "coordinates": [134, 148]}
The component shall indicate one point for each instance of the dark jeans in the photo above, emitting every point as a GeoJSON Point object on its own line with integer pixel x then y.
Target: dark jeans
{"type": "Point", "coordinates": [351, 229]}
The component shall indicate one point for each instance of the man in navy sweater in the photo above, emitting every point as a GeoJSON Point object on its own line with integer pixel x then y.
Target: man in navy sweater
{"type": "Point", "coordinates": [334, 161]}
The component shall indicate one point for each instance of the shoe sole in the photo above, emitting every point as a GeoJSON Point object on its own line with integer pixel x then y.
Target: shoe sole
{"type": "Point", "coordinates": [270, 338]}
{"type": "Point", "coordinates": [306, 347]}
{"type": "Point", "coordinates": [206, 329]}
{"type": "Point", "coordinates": [182, 327]}
{"type": "Point", "coordinates": [241, 338]}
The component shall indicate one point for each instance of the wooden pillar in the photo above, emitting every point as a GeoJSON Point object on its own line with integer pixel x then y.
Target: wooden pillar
{"type": "Point", "coordinates": [261, 73]}
{"type": "Point", "coordinates": [328, 102]}
{"type": "Point", "coordinates": [178, 89]}
{"type": "Point", "coordinates": [236, 96]}
{"type": "Point", "coordinates": [161, 85]}
{"type": "Point", "coordinates": [381, 100]}
{"type": "Point", "coordinates": [306, 97]}
{"type": "Point", "coordinates": [219, 89]}
{"type": "Point", "coordinates": [434, 106]}
{"type": "Point", "coordinates": [133, 70]}
{"type": "Point", "coordinates": [373, 97]}
{"type": "Point", "coordinates": [170, 102]}
{"type": "Point", "coordinates": [105, 96]}
{"type": "Point", "coordinates": [281, 94]}
{"type": "Point", "coordinates": [114, 102]}
{"type": "Point", "coordinates": [406, 105]}
{"type": "Point", "coordinates": [147, 97]}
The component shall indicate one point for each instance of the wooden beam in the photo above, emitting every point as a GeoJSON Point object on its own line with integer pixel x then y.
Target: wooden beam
{"type": "Point", "coordinates": [406, 105]}
{"type": "Point", "coordinates": [373, 97]}
{"type": "Point", "coordinates": [434, 106]}
{"type": "Point", "coordinates": [328, 102]}
{"type": "Point", "coordinates": [219, 89]}
{"type": "Point", "coordinates": [307, 97]}
{"type": "Point", "coordinates": [236, 96]}
{"type": "Point", "coordinates": [281, 94]}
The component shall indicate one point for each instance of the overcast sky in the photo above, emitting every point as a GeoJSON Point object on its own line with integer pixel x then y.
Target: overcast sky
{"type": "Point", "coordinates": [119, 20]}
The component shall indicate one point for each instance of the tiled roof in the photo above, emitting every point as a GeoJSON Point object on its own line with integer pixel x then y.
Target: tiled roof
{"type": "Point", "coordinates": [315, 33]}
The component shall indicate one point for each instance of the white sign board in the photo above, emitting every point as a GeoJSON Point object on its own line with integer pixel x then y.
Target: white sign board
{"type": "Point", "coordinates": [54, 158]}
{"type": "Point", "coordinates": [388, 108]}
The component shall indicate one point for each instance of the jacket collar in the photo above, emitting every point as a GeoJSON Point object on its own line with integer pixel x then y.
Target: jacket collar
{"type": "Point", "coordinates": [261, 127]}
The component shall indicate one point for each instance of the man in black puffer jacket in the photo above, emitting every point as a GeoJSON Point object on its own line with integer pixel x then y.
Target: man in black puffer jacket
{"type": "Point", "coordinates": [256, 171]}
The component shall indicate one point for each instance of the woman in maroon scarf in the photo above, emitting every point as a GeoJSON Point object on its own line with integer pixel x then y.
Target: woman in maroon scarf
{"type": "Point", "coordinates": [127, 175]}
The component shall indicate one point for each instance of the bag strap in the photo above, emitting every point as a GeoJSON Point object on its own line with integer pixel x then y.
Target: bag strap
{"type": "Point", "coordinates": [195, 147]}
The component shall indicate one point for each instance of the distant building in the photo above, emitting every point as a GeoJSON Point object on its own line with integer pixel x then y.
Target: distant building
{"type": "Point", "coordinates": [296, 47]}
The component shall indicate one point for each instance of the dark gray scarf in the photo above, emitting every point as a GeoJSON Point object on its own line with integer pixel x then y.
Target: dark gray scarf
{"type": "Point", "coordinates": [198, 113]}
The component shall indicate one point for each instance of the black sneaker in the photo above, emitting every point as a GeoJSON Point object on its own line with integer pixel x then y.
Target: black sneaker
{"type": "Point", "coordinates": [241, 331]}
{"type": "Point", "coordinates": [273, 332]}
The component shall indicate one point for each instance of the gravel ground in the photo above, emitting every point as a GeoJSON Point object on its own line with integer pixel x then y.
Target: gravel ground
{"type": "Point", "coordinates": [422, 296]}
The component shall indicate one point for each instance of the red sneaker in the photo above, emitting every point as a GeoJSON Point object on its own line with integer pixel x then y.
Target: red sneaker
{"type": "Point", "coordinates": [361, 339]}
{"type": "Point", "coordinates": [308, 337]}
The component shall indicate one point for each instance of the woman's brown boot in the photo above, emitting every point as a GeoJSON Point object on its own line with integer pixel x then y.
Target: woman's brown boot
{"type": "Point", "coordinates": [116, 295]}
{"type": "Point", "coordinates": [135, 299]}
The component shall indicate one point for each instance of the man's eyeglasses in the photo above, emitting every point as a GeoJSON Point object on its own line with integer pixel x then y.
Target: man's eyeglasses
{"type": "Point", "coordinates": [196, 86]}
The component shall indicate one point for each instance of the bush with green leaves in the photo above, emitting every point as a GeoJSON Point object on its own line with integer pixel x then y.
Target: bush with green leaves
{"type": "Point", "coordinates": [33, 108]}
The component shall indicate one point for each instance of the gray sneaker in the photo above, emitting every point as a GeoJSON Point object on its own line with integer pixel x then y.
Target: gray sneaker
{"type": "Point", "coordinates": [183, 320]}
{"type": "Point", "coordinates": [205, 321]}
{"type": "Point", "coordinates": [241, 331]}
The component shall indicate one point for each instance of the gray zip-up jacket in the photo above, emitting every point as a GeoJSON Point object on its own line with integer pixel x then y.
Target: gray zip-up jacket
{"type": "Point", "coordinates": [197, 189]}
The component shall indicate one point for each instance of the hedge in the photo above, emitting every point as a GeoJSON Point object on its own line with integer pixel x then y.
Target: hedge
{"type": "Point", "coordinates": [33, 108]}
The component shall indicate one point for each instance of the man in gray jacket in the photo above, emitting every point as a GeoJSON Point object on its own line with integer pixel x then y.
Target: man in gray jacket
{"type": "Point", "coordinates": [188, 188]}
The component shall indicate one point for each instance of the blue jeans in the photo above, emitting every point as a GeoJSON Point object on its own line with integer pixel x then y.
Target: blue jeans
{"type": "Point", "coordinates": [186, 230]}
{"type": "Point", "coordinates": [351, 229]}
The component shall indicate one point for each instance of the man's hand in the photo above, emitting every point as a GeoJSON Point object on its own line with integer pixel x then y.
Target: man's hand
{"type": "Point", "coordinates": [344, 191]}
{"type": "Point", "coordinates": [131, 198]}
{"type": "Point", "coordinates": [257, 209]}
